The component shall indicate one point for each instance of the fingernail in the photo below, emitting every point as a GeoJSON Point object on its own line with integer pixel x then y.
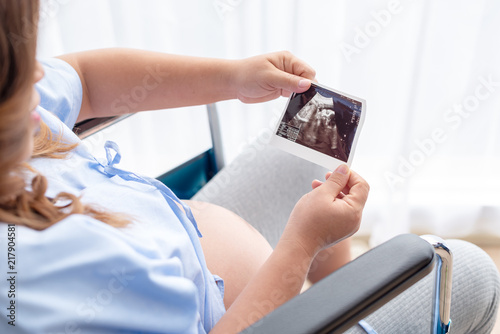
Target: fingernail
{"type": "Point", "coordinates": [304, 83]}
{"type": "Point", "coordinates": [342, 169]}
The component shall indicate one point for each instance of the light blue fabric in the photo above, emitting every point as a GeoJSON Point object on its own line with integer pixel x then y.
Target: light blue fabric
{"type": "Point", "coordinates": [82, 275]}
{"type": "Point", "coordinates": [61, 91]}
{"type": "Point", "coordinates": [366, 327]}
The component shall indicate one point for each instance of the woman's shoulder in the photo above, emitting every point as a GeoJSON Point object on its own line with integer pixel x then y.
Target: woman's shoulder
{"type": "Point", "coordinates": [60, 90]}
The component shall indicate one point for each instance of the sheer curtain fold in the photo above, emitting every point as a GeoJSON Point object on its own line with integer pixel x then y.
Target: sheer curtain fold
{"type": "Point", "coordinates": [429, 71]}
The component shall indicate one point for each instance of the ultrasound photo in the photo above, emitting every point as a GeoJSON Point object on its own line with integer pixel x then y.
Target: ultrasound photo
{"type": "Point", "coordinates": [322, 120]}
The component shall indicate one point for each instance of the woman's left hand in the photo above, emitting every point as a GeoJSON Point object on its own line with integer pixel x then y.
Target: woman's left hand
{"type": "Point", "coordinates": [267, 77]}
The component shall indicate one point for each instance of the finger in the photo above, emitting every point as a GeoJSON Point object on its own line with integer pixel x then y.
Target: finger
{"type": "Point", "coordinates": [286, 93]}
{"type": "Point", "coordinates": [358, 189]}
{"type": "Point", "coordinates": [346, 188]}
{"type": "Point", "coordinates": [287, 82]}
{"type": "Point", "coordinates": [338, 180]}
{"type": "Point", "coordinates": [296, 75]}
{"type": "Point", "coordinates": [316, 184]}
{"type": "Point", "coordinates": [271, 96]}
{"type": "Point", "coordinates": [294, 65]}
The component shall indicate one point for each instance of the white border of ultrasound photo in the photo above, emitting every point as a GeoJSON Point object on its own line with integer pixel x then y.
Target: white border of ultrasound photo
{"type": "Point", "coordinates": [312, 155]}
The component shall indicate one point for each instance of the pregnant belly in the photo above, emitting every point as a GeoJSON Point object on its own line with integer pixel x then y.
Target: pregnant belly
{"type": "Point", "coordinates": [233, 249]}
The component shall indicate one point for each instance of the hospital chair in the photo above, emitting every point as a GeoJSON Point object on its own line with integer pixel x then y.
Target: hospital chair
{"type": "Point", "coordinates": [351, 293]}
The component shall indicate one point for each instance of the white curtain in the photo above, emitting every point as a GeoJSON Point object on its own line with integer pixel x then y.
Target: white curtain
{"type": "Point", "coordinates": [429, 70]}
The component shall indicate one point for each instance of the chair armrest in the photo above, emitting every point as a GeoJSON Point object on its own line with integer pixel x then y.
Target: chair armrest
{"type": "Point", "coordinates": [90, 126]}
{"type": "Point", "coordinates": [339, 301]}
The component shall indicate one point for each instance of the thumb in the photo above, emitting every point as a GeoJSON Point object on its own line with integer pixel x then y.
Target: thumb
{"type": "Point", "coordinates": [291, 83]}
{"type": "Point", "coordinates": [338, 179]}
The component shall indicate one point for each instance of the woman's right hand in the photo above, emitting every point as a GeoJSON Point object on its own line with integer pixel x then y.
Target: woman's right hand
{"type": "Point", "coordinates": [329, 213]}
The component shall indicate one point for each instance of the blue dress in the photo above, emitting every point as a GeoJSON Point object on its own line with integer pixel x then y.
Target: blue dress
{"type": "Point", "coordinates": [84, 276]}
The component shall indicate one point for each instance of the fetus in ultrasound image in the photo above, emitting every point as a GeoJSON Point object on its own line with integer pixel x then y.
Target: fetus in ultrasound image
{"type": "Point", "coordinates": [321, 120]}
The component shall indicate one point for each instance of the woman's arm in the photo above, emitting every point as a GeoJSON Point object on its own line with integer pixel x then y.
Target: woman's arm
{"type": "Point", "coordinates": [328, 214]}
{"type": "Point", "coordinates": [121, 81]}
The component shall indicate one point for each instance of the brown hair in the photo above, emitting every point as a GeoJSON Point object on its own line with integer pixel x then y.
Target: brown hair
{"type": "Point", "coordinates": [19, 205]}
